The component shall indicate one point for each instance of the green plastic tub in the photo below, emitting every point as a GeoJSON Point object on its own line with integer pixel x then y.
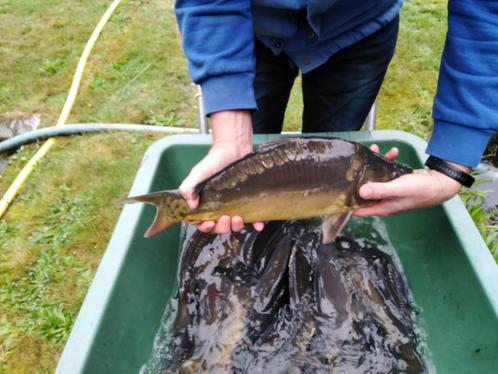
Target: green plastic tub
{"type": "Point", "coordinates": [451, 273]}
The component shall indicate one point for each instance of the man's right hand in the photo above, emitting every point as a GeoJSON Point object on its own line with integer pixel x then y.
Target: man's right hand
{"type": "Point", "coordinates": [232, 140]}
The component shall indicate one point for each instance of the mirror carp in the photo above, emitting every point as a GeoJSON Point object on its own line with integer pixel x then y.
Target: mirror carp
{"type": "Point", "coordinates": [291, 178]}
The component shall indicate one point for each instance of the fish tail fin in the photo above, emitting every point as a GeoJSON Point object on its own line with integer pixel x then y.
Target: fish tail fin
{"type": "Point", "coordinates": [164, 201]}
{"type": "Point", "coordinates": [154, 198]}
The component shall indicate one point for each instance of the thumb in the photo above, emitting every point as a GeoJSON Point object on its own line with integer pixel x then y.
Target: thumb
{"type": "Point", "coordinates": [187, 189]}
{"type": "Point", "coordinates": [199, 173]}
{"type": "Point", "coordinates": [189, 195]}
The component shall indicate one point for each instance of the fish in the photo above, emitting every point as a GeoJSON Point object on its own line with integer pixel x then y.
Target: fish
{"type": "Point", "coordinates": [210, 307]}
{"type": "Point", "coordinates": [365, 322]}
{"type": "Point", "coordinates": [291, 178]}
{"type": "Point", "coordinates": [280, 300]}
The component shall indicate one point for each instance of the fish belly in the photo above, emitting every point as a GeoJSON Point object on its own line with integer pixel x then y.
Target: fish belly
{"type": "Point", "coordinates": [282, 205]}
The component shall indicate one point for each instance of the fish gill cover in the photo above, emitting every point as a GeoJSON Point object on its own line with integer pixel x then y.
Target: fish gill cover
{"type": "Point", "coordinates": [280, 301]}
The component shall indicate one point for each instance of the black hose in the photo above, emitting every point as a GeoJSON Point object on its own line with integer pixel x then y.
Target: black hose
{"type": "Point", "coordinates": [80, 128]}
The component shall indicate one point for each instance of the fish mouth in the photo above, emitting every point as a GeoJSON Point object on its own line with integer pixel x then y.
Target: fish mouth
{"type": "Point", "coordinates": [399, 169]}
{"type": "Point", "coordinates": [403, 169]}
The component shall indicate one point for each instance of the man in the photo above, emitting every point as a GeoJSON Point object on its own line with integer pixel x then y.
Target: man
{"type": "Point", "coordinates": [245, 55]}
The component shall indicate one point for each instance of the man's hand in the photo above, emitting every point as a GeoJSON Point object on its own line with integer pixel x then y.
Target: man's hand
{"type": "Point", "coordinates": [421, 189]}
{"type": "Point", "coordinates": [232, 140]}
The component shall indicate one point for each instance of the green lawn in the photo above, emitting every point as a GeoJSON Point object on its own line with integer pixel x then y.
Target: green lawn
{"type": "Point", "coordinates": [55, 233]}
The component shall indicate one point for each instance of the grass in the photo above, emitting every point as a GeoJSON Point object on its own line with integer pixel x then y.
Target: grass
{"type": "Point", "coordinates": [486, 219]}
{"type": "Point", "coordinates": [52, 241]}
{"type": "Point", "coordinates": [55, 233]}
{"type": "Point", "coordinates": [44, 39]}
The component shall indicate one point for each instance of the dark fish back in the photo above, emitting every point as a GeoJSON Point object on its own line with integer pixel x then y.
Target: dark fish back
{"type": "Point", "coordinates": [290, 164]}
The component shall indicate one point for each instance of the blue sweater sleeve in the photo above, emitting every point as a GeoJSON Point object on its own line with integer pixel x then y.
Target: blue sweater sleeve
{"type": "Point", "coordinates": [466, 104]}
{"type": "Point", "coordinates": [218, 40]}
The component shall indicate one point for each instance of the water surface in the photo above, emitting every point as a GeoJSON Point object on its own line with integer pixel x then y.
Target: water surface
{"type": "Point", "coordinates": [280, 301]}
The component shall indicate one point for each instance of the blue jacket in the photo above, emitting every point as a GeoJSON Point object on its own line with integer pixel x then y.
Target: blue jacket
{"type": "Point", "coordinates": [218, 39]}
{"type": "Point", "coordinates": [466, 106]}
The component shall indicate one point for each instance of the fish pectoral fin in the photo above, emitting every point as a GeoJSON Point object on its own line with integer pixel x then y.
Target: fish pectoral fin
{"type": "Point", "coordinates": [161, 222]}
{"type": "Point", "coordinates": [333, 225]}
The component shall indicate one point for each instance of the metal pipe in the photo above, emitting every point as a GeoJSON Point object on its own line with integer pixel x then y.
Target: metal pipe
{"type": "Point", "coordinates": [80, 128]}
{"type": "Point", "coordinates": [371, 117]}
{"type": "Point", "coordinates": [203, 122]}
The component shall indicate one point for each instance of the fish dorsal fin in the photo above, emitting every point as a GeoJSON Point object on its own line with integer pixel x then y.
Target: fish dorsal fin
{"type": "Point", "coordinates": [333, 225]}
{"type": "Point", "coordinates": [276, 143]}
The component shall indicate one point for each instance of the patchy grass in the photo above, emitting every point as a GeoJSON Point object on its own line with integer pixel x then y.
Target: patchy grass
{"type": "Point", "coordinates": [52, 241]}
{"type": "Point", "coordinates": [405, 101]}
{"type": "Point", "coordinates": [54, 235]}
{"type": "Point", "coordinates": [136, 73]}
{"type": "Point", "coordinates": [486, 219]}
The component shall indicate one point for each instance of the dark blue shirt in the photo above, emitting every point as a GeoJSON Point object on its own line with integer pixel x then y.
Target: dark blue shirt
{"type": "Point", "coordinates": [218, 39]}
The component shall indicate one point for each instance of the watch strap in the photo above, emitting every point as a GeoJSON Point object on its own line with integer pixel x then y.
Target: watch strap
{"type": "Point", "coordinates": [449, 170]}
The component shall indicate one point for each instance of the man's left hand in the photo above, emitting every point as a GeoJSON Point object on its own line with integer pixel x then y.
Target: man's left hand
{"type": "Point", "coordinates": [422, 188]}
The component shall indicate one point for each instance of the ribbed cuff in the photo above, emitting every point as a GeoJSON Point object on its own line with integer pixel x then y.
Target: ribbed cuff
{"type": "Point", "coordinates": [460, 144]}
{"type": "Point", "coordinates": [228, 92]}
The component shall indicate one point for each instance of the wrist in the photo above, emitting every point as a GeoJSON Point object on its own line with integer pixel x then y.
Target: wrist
{"type": "Point", "coordinates": [460, 167]}
{"type": "Point", "coordinates": [457, 172]}
{"type": "Point", "coordinates": [232, 129]}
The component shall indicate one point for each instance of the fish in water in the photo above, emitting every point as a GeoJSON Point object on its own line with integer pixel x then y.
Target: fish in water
{"type": "Point", "coordinates": [280, 301]}
{"type": "Point", "coordinates": [291, 178]}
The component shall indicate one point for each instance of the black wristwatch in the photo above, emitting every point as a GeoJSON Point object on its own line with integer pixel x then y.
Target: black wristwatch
{"type": "Point", "coordinates": [449, 170]}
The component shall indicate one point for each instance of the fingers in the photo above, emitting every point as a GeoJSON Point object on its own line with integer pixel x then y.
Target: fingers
{"type": "Point", "coordinates": [237, 223]}
{"type": "Point", "coordinates": [375, 148]}
{"type": "Point", "coordinates": [217, 158]}
{"type": "Point", "coordinates": [200, 172]}
{"type": "Point", "coordinates": [390, 155]}
{"type": "Point", "coordinates": [383, 208]}
{"type": "Point", "coordinates": [223, 225]}
{"type": "Point", "coordinates": [226, 224]}
{"type": "Point", "coordinates": [420, 189]}
{"type": "Point", "coordinates": [258, 226]}
{"type": "Point", "coordinates": [378, 191]}
{"type": "Point", "coordinates": [206, 226]}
